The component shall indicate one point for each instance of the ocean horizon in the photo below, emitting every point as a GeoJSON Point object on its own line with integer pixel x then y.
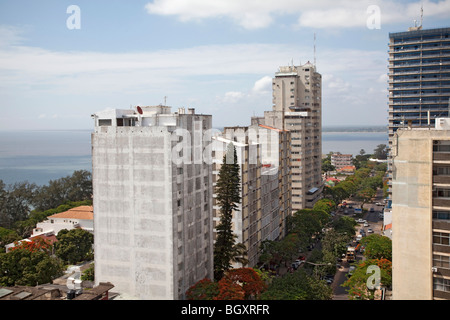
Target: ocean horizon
{"type": "Point", "coordinates": [38, 156]}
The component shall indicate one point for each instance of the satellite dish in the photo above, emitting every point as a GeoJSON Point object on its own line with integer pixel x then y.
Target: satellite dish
{"type": "Point", "coordinates": [139, 110]}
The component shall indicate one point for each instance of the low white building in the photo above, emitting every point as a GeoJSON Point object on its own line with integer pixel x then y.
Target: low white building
{"type": "Point", "coordinates": [80, 217]}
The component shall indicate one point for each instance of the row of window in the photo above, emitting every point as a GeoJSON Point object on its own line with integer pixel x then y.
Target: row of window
{"type": "Point", "coordinates": [441, 238]}
{"type": "Point", "coordinates": [441, 284]}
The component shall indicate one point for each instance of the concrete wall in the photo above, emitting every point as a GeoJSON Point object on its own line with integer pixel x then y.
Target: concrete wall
{"type": "Point", "coordinates": [411, 215]}
{"type": "Point", "coordinates": [133, 210]}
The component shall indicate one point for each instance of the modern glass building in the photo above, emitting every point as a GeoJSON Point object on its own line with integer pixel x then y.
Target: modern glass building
{"type": "Point", "coordinates": [419, 77]}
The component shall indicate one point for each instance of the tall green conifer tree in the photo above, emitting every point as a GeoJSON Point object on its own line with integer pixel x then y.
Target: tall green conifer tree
{"type": "Point", "coordinates": [228, 196]}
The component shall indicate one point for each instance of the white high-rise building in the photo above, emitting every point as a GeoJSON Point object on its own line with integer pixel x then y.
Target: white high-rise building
{"type": "Point", "coordinates": [152, 201]}
{"type": "Point", "coordinates": [297, 107]}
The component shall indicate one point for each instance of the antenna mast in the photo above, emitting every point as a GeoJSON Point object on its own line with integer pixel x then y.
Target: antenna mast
{"type": "Point", "coordinates": [421, 15]}
{"type": "Point", "coordinates": [315, 51]}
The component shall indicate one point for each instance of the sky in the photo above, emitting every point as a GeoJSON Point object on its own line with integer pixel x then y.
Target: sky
{"type": "Point", "coordinates": [62, 61]}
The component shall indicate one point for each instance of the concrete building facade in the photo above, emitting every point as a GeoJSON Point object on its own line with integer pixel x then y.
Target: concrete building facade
{"type": "Point", "coordinates": [152, 201]}
{"type": "Point", "coordinates": [419, 79]}
{"type": "Point", "coordinates": [339, 160]}
{"type": "Point", "coordinates": [297, 107]}
{"type": "Point", "coordinates": [421, 213]}
{"type": "Point", "coordinates": [263, 156]}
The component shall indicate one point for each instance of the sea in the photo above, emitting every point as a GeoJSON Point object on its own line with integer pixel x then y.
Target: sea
{"type": "Point", "coordinates": [44, 155]}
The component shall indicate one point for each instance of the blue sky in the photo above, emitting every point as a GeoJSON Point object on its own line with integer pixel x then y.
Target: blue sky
{"type": "Point", "coordinates": [217, 56]}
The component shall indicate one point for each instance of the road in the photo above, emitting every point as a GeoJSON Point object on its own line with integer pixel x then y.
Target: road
{"type": "Point", "coordinates": [376, 224]}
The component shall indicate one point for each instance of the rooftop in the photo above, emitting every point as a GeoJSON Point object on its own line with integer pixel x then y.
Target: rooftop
{"type": "Point", "coordinates": [82, 213]}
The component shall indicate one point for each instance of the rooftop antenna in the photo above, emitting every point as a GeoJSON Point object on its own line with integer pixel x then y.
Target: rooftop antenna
{"type": "Point", "coordinates": [421, 15]}
{"type": "Point", "coordinates": [315, 51]}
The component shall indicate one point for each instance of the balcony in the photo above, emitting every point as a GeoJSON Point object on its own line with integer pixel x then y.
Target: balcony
{"type": "Point", "coordinates": [441, 156]}
{"type": "Point", "coordinates": [441, 179]}
{"type": "Point", "coordinates": [441, 202]}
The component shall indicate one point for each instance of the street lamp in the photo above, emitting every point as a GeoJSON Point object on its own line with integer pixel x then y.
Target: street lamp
{"type": "Point", "coordinates": [317, 265]}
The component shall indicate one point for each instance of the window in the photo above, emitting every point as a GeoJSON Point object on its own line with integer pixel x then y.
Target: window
{"type": "Point", "coordinates": [441, 238]}
{"type": "Point", "coordinates": [441, 193]}
{"type": "Point", "coordinates": [441, 171]}
{"type": "Point", "coordinates": [441, 215]}
{"type": "Point", "coordinates": [441, 146]}
{"type": "Point", "coordinates": [104, 122]}
{"type": "Point", "coordinates": [441, 284]}
{"type": "Point", "coordinates": [441, 261]}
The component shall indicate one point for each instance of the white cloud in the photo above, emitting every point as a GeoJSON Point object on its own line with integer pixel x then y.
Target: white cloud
{"type": "Point", "coordinates": [334, 83]}
{"type": "Point", "coordinates": [10, 35]}
{"type": "Point", "coordinates": [233, 96]}
{"type": "Point", "coordinates": [48, 82]}
{"type": "Point", "coordinates": [254, 14]}
{"type": "Point", "coordinates": [263, 85]}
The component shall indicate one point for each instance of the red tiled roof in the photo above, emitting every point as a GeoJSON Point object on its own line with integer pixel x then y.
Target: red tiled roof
{"type": "Point", "coordinates": [82, 212]}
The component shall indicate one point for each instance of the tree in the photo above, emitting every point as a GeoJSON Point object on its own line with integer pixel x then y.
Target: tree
{"type": "Point", "coordinates": [228, 196]}
{"type": "Point", "coordinates": [204, 289]}
{"type": "Point", "coordinates": [345, 225]}
{"type": "Point", "coordinates": [335, 243]}
{"type": "Point", "coordinates": [364, 195]}
{"type": "Point", "coordinates": [37, 244]}
{"type": "Point", "coordinates": [74, 246]}
{"type": "Point", "coordinates": [15, 202]}
{"type": "Point", "coordinates": [249, 280]}
{"type": "Point", "coordinates": [377, 247]}
{"type": "Point", "coordinates": [380, 152]}
{"type": "Point", "coordinates": [7, 236]}
{"type": "Point", "coordinates": [357, 283]}
{"type": "Point", "coordinates": [27, 268]}
{"type": "Point", "coordinates": [77, 187]}
{"type": "Point", "coordinates": [236, 284]}
{"type": "Point", "coordinates": [89, 273]}
{"type": "Point", "coordinates": [229, 290]}
{"type": "Point", "coordinates": [297, 286]}
{"type": "Point", "coordinates": [325, 204]}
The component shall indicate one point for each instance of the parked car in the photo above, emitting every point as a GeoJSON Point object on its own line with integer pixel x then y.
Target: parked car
{"type": "Point", "coordinates": [351, 270]}
{"type": "Point", "coordinates": [369, 230]}
{"type": "Point", "coordinates": [366, 224]}
{"type": "Point", "coordinates": [328, 278]}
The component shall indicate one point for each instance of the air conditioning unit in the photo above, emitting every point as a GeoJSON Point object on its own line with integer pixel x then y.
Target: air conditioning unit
{"type": "Point", "coordinates": [434, 269]}
{"type": "Point", "coordinates": [442, 124]}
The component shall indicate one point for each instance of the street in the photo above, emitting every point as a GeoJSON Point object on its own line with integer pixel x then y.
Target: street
{"type": "Point", "coordinates": [375, 223]}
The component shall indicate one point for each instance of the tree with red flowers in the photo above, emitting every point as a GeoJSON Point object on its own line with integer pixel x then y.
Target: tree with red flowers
{"type": "Point", "coordinates": [34, 245]}
{"type": "Point", "coordinates": [249, 279]}
{"type": "Point", "coordinates": [204, 289]}
{"type": "Point", "coordinates": [229, 290]}
{"type": "Point", "coordinates": [236, 284]}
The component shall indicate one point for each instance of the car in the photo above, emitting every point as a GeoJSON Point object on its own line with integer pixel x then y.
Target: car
{"type": "Point", "coordinates": [369, 230]}
{"type": "Point", "coordinates": [371, 209]}
{"type": "Point", "coordinates": [366, 224]}
{"type": "Point", "coordinates": [379, 204]}
{"type": "Point", "coordinates": [360, 220]}
{"type": "Point", "coordinates": [329, 278]}
{"type": "Point", "coordinates": [351, 269]}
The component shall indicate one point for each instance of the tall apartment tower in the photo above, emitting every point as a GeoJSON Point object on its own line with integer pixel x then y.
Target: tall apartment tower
{"type": "Point", "coordinates": [421, 212]}
{"type": "Point", "coordinates": [419, 78]}
{"type": "Point", "coordinates": [152, 201]}
{"type": "Point", "coordinates": [263, 157]}
{"type": "Point", "coordinates": [297, 107]}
